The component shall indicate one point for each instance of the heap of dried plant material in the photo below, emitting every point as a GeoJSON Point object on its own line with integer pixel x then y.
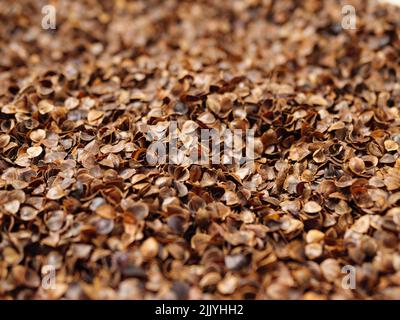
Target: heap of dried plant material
{"type": "Point", "coordinates": [77, 193]}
